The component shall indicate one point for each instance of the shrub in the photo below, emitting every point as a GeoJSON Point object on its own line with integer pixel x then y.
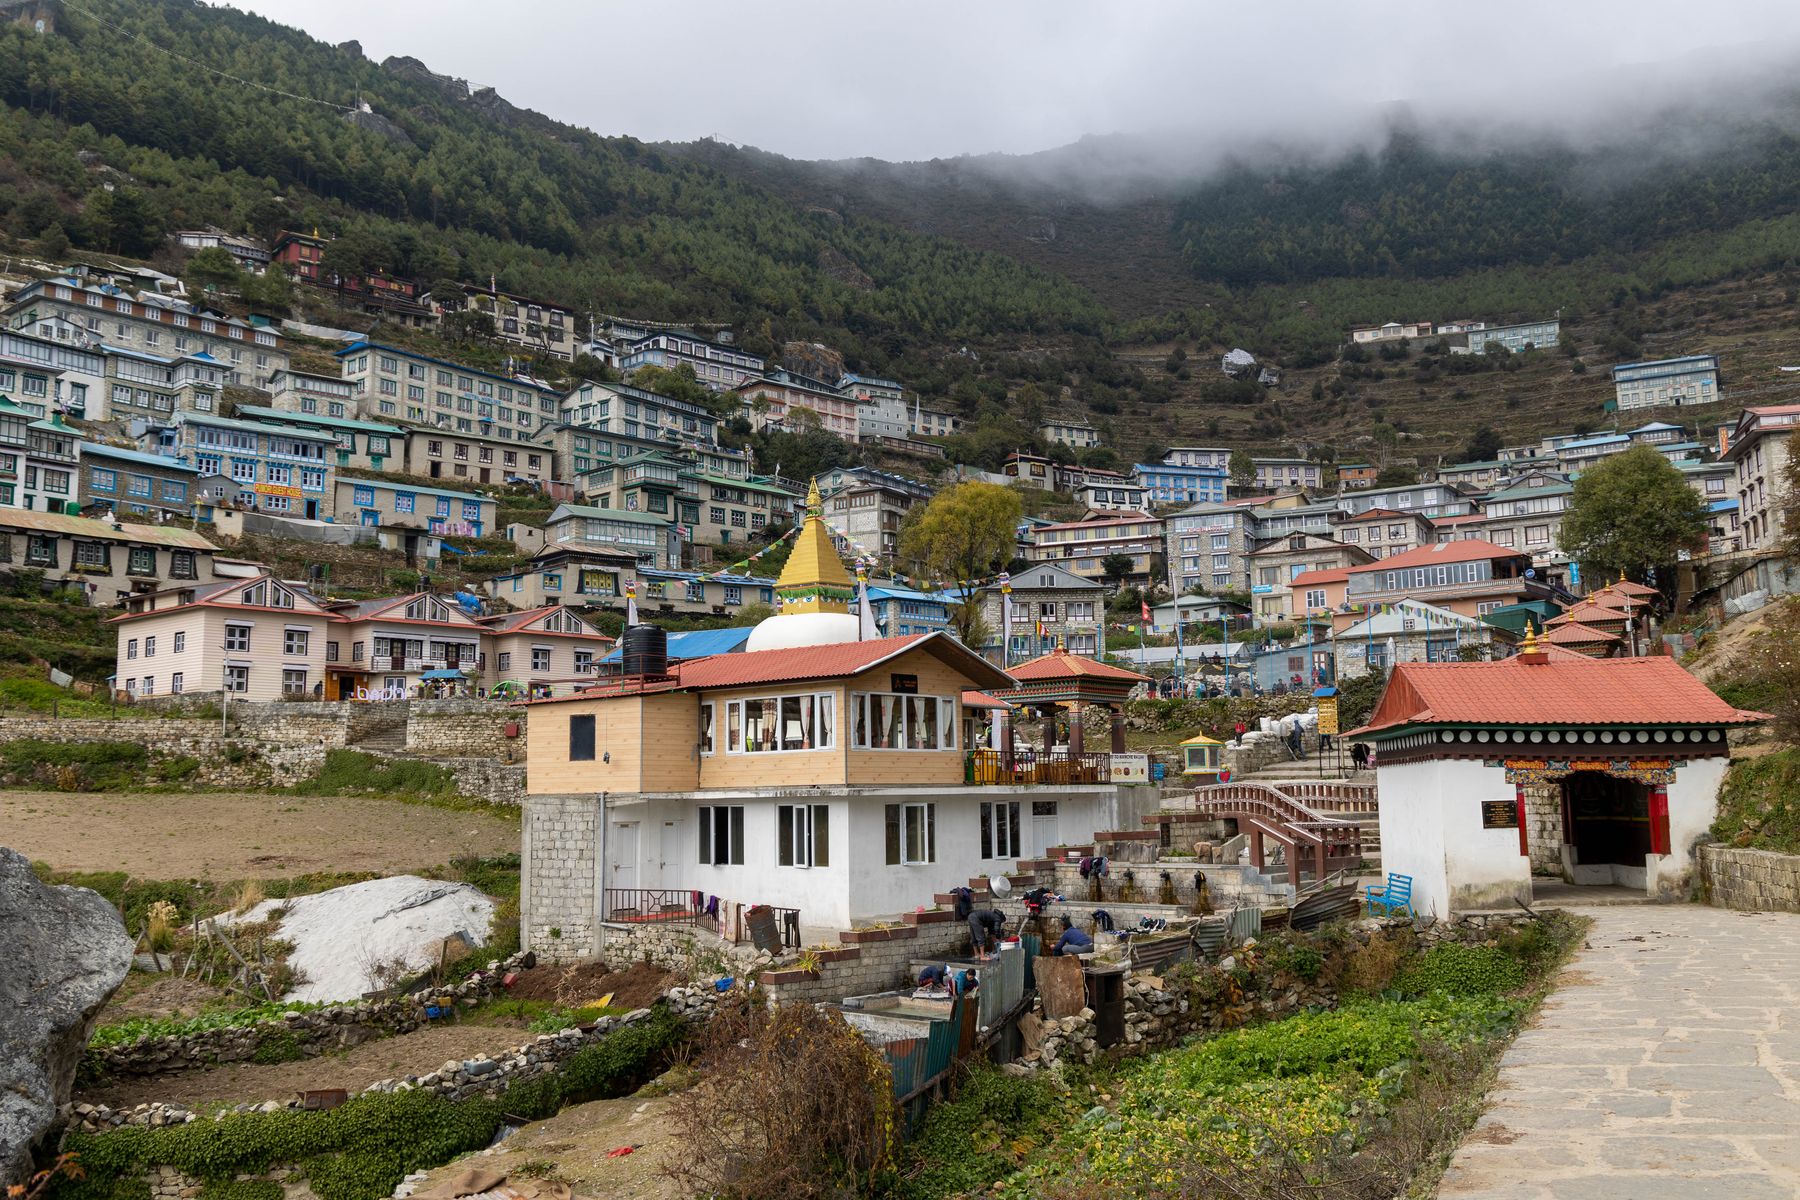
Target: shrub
{"type": "Point", "coordinates": [350, 772]}
{"type": "Point", "coordinates": [1759, 804]}
{"type": "Point", "coordinates": [994, 1123]}
{"type": "Point", "coordinates": [1459, 970]}
{"type": "Point", "coordinates": [794, 1105]}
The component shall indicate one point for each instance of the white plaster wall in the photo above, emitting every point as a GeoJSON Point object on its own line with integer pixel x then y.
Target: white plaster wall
{"type": "Point", "coordinates": [1431, 829]}
{"type": "Point", "coordinates": [858, 883]}
{"type": "Point", "coordinates": [1484, 866]}
{"type": "Point", "coordinates": [1412, 835]}
{"type": "Point", "coordinates": [1693, 805]}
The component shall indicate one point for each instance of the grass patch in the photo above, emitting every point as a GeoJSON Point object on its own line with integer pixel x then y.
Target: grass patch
{"type": "Point", "coordinates": [356, 773]}
{"type": "Point", "coordinates": [1759, 804]}
{"type": "Point", "coordinates": [73, 766]}
{"type": "Point", "coordinates": [124, 1033]}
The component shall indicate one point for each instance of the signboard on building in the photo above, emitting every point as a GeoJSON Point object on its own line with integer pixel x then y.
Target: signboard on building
{"type": "Point", "coordinates": [1328, 716]}
{"type": "Point", "coordinates": [277, 489]}
{"type": "Point", "coordinates": [1131, 768]}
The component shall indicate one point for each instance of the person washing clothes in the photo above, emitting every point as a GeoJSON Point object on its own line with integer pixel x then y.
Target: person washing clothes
{"type": "Point", "coordinates": [985, 927]}
{"type": "Point", "coordinates": [1073, 940]}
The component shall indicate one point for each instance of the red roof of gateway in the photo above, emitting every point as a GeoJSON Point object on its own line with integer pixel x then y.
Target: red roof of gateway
{"type": "Point", "coordinates": [1599, 691]}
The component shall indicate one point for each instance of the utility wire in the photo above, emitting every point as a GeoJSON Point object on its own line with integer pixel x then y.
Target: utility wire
{"type": "Point", "coordinates": [197, 65]}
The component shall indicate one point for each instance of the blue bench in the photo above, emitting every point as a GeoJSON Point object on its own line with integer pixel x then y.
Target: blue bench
{"type": "Point", "coordinates": [1393, 899]}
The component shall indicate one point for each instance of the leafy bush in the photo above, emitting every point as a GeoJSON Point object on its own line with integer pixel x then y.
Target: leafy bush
{"type": "Point", "coordinates": [124, 1033]}
{"type": "Point", "coordinates": [995, 1122]}
{"type": "Point", "coordinates": [1459, 970]}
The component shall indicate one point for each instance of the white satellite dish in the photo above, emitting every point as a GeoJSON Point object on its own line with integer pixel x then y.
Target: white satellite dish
{"type": "Point", "coordinates": [999, 885]}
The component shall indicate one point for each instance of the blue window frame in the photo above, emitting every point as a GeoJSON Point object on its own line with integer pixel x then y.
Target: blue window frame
{"type": "Point", "coordinates": [471, 510]}
{"type": "Point", "coordinates": [174, 491]}
{"type": "Point", "coordinates": [404, 501]}
{"type": "Point", "coordinates": [102, 481]}
{"type": "Point", "coordinates": [363, 496]}
{"type": "Point", "coordinates": [443, 506]}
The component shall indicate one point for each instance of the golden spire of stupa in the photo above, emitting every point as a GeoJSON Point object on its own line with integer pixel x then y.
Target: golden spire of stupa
{"type": "Point", "coordinates": [814, 579]}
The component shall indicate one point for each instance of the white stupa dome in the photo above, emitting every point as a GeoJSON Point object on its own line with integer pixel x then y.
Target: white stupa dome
{"type": "Point", "coordinates": [788, 631]}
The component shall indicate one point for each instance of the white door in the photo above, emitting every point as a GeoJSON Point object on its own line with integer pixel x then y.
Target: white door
{"type": "Point", "coordinates": [670, 857]}
{"type": "Point", "coordinates": [624, 855]}
{"type": "Point", "coordinates": [1044, 825]}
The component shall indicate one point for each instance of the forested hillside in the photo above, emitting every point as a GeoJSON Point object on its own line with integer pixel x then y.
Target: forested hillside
{"type": "Point", "coordinates": [1072, 282]}
{"type": "Point", "coordinates": [444, 182]}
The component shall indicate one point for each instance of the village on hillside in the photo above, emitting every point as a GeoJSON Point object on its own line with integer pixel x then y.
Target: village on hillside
{"type": "Point", "coordinates": [457, 744]}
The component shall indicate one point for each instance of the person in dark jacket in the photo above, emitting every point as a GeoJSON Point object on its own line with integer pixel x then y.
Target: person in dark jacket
{"type": "Point", "coordinates": [984, 930]}
{"type": "Point", "coordinates": [1073, 940]}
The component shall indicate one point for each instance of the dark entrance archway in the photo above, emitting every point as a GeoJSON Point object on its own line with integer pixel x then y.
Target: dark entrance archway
{"type": "Point", "coordinates": [1607, 828]}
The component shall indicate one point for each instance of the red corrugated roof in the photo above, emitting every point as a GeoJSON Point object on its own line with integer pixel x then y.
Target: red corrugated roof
{"type": "Point", "coordinates": [982, 700]}
{"type": "Point", "coordinates": [1599, 691]}
{"type": "Point", "coordinates": [1308, 578]}
{"type": "Point", "coordinates": [1060, 664]}
{"type": "Point", "coordinates": [1633, 588]}
{"type": "Point", "coordinates": [1467, 550]}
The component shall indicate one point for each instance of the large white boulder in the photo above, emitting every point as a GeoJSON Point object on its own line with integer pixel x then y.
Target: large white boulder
{"type": "Point", "coordinates": [348, 940]}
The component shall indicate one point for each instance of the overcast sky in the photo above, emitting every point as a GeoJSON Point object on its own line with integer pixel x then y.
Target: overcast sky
{"type": "Point", "coordinates": [911, 79]}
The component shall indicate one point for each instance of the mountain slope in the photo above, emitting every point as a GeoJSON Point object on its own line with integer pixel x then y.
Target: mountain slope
{"type": "Point", "coordinates": [460, 183]}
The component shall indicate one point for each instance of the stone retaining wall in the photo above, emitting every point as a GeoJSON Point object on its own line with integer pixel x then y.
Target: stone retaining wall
{"type": "Point", "coordinates": [485, 779]}
{"type": "Point", "coordinates": [688, 950]}
{"type": "Point", "coordinates": [465, 728]}
{"type": "Point", "coordinates": [314, 1031]}
{"type": "Point", "coordinates": [455, 1080]}
{"type": "Point", "coordinates": [1751, 880]}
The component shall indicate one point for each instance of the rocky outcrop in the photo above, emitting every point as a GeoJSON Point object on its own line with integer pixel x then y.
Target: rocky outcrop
{"type": "Point", "coordinates": [64, 951]}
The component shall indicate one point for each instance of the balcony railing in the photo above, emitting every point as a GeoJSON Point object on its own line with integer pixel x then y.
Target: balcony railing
{"type": "Point", "coordinates": [685, 906]}
{"type": "Point", "coordinates": [412, 663]}
{"type": "Point", "coordinates": [1026, 766]}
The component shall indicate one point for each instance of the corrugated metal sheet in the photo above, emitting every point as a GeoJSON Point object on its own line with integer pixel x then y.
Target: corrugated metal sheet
{"type": "Point", "coordinates": [1002, 985]}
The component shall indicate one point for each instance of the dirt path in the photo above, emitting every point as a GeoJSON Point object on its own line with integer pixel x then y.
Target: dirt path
{"type": "Point", "coordinates": [572, 1147]}
{"type": "Point", "coordinates": [221, 835]}
{"type": "Point", "coordinates": [416, 1053]}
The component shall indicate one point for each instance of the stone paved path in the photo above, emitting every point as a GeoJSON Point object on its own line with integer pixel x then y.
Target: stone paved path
{"type": "Point", "coordinates": [1666, 1066]}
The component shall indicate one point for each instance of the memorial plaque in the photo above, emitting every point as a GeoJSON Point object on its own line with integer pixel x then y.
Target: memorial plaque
{"type": "Point", "coordinates": [1499, 814]}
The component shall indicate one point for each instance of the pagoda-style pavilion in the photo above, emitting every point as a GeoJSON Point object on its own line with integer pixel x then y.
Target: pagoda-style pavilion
{"type": "Point", "coordinates": [1060, 679]}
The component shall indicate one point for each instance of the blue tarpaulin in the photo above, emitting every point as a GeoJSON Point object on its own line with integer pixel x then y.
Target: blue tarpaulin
{"type": "Point", "coordinates": [442, 675]}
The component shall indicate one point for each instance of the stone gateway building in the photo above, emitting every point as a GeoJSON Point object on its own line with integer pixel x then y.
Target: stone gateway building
{"type": "Point", "coordinates": [1598, 771]}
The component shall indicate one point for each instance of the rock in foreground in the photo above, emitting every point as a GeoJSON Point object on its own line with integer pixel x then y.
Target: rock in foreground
{"type": "Point", "coordinates": [63, 951]}
{"type": "Point", "coordinates": [353, 939]}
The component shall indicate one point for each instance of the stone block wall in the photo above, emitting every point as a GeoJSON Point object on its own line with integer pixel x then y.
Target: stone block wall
{"type": "Point", "coordinates": [488, 780]}
{"type": "Point", "coordinates": [1544, 827]}
{"type": "Point", "coordinates": [315, 1031]}
{"type": "Point", "coordinates": [689, 950]}
{"type": "Point", "coordinates": [465, 728]}
{"type": "Point", "coordinates": [230, 761]}
{"type": "Point", "coordinates": [1750, 880]}
{"type": "Point", "coordinates": [560, 843]}
{"type": "Point", "coordinates": [869, 960]}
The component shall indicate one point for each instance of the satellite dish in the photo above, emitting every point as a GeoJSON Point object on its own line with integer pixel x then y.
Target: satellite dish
{"type": "Point", "coordinates": [999, 885]}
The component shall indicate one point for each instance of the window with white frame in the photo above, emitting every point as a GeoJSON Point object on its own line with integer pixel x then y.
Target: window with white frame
{"type": "Point", "coordinates": [721, 834]}
{"type": "Point", "coordinates": [911, 834]}
{"type": "Point", "coordinates": [293, 642]}
{"type": "Point", "coordinates": [180, 642]}
{"type": "Point", "coordinates": [781, 723]}
{"type": "Point", "coordinates": [803, 835]}
{"type": "Point", "coordinates": [237, 637]}
{"type": "Point", "coordinates": [540, 658]}
{"type": "Point", "coordinates": [1000, 830]}
{"type": "Point", "coordinates": [889, 721]}
{"type": "Point", "coordinates": [237, 678]}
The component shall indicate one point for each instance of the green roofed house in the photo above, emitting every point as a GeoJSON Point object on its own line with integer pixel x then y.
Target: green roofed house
{"type": "Point", "coordinates": [651, 537]}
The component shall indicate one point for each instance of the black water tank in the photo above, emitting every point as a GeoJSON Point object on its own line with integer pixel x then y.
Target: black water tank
{"type": "Point", "coordinates": [645, 650]}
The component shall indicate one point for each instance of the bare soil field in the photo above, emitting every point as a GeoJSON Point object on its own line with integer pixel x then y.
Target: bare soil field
{"type": "Point", "coordinates": [224, 835]}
